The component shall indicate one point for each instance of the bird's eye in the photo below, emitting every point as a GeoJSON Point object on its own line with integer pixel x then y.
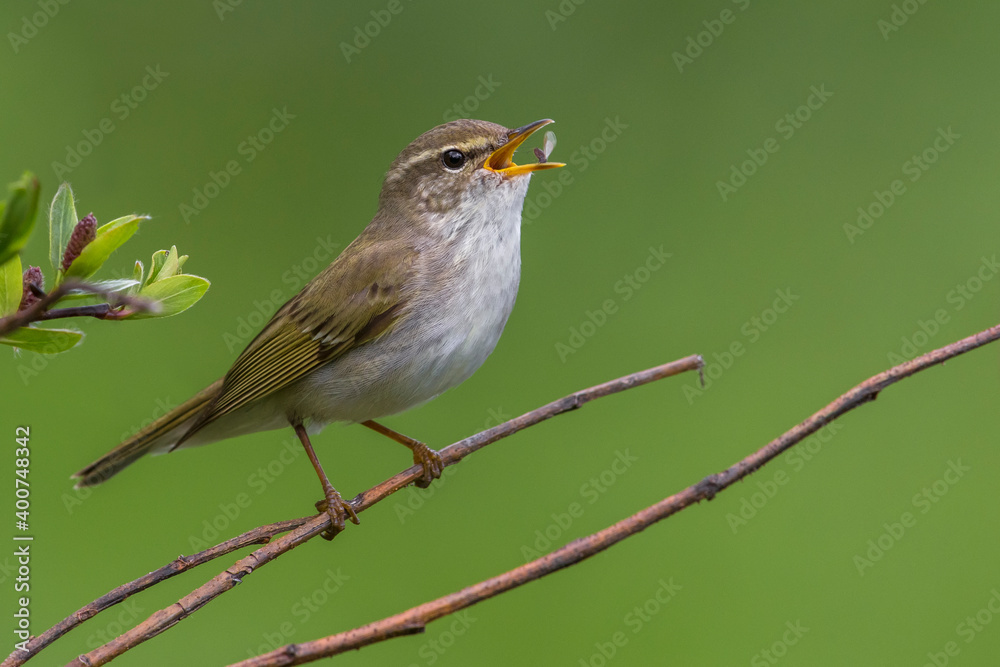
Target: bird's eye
{"type": "Point", "coordinates": [453, 158]}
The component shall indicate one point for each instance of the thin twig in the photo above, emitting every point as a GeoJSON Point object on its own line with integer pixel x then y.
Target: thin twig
{"type": "Point", "coordinates": [34, 312]}
{"type": "Point", "coordinates": [260, 535]}
{"type": "Point", "coordinates": [224, 581]}
{"type": "Point", "coordinates": [413, 620]}
{"type": "Point", "coordinates": [41, 309]}
{"type": "Point", "coordinates": [101, 311]}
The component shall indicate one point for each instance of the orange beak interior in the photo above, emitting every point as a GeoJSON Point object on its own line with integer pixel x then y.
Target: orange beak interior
{"type": "Point", "coordinates": [501, 160]}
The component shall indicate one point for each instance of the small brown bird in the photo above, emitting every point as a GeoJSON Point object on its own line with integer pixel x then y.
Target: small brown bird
{"type": "Point", "coordinates": [411, 308]}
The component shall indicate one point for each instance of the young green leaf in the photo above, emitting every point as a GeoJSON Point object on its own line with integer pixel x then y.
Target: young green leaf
{"type": "Point", "coordinates": [175, 295]}
{"type": "Point", "coordinates": [62, 219]}
{"type": "Point", "coordinates": [170, 265]}
{"type": "Point", "coordinates": [44, 341]}
{"type": "Point", "coordinates": [18, 216]}
{"type": "Point", "coordinates": [119, 285]}
{"type": "Point", "coordinates": [137, 277]}
{"type": "Point", "coordinates": [109, 238]}
{"type": "Point", "coordinates": [11, 285]}
{"type": "Point", "coordinates": [155, 264]}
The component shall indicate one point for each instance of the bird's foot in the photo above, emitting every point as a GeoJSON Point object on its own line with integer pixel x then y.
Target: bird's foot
{"type": "Point", "coordinates": [338, 510]}
{"type": "Point", "coordinates": [430, 461]}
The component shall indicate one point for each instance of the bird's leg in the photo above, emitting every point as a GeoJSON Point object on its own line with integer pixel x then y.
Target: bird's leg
{"type": "Point", "coordinates": [423, 455]}
{"type": "Point", "coordinates": [333, 504]}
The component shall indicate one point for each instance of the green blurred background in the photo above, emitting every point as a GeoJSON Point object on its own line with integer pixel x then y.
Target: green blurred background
{"type": "Point", "coordinates": [771, 571]}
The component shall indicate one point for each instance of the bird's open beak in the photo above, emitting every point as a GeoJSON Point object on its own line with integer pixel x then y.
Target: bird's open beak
{"type": "Point", "coordinates": [501, 159]}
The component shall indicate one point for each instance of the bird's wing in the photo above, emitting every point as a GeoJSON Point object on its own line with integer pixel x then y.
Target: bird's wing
{"type": "Point", "coordinates": [355, 300]}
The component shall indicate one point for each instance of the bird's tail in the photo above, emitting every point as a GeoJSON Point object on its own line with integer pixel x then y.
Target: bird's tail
{"type": "Point", "coordinates": [160, 436]}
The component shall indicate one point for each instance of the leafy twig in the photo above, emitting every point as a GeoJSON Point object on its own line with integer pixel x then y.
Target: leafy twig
{"type": "Point", "coordinates": [41, 309]}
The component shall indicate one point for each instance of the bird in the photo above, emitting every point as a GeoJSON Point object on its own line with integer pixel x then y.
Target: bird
{"type": "Point", "coordinates": [411, 308]}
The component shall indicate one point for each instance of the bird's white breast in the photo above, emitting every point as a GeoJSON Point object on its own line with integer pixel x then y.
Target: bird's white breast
{"type": "Point", "coordinates": [452, 327]}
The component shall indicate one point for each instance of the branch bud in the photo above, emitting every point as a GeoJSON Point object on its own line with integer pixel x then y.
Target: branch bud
{"type": "Point", "coordinates": [84, 232]}
{"type": "Point", "coordinates": [32, 276]}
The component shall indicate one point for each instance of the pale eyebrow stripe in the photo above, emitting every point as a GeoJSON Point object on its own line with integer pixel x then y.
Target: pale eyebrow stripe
{"type": "Point", "coordinates": [466, 147]}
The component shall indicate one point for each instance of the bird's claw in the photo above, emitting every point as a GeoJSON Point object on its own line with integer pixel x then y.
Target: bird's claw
{"type": "Point", "coordinates": [430, 461]}
{"type": "Point", "coordinates": [338, 510]}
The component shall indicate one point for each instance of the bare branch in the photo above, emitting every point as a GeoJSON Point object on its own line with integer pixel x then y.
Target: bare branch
{"type": "Point", "coordinates": [309, 528]}
{"type": "Point", "coordinates": [260, 535]}
{"type": "Point", "coordinates": [413, 620]}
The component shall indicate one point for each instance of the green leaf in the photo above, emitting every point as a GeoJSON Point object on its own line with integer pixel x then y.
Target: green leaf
{"type": "Point", "coordinates": [62, 220]}
{"type": "Point", "coordinates": [175, 295]}
{"type": "Point", "coordinates": [109, 238]}
{"type": "Point", "coordinates": [18, 216]}
{"type": "Point", "coordinates": [119, 285]}
{"type": "Point", "coordinates": [159, 257]}
{"type": "Point", "coordinates": [11, 285]}
{"type": "Point", "coordinates": [44, 341]}
{"type": "Point", "coordinates": [137, 277]}
{"type": "Point", "coordinates": [116, 285]}
{"type": "Point", "coordinates": [170, 265]}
